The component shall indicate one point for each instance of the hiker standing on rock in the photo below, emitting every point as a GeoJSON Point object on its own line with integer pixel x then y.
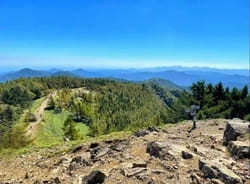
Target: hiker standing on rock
{"type": "Point", "coordinates": [192, 113]}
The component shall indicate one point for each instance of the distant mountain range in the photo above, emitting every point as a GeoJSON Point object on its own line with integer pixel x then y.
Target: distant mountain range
{"type": "Point", "coordinates": [179, 76]}
{"type": "Point", "coordinates": [23, 73]}
{"type": "Point", "coordinates": [243, 72]}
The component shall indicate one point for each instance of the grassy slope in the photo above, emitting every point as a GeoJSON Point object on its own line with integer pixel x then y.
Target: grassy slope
{"type": "Point", "coordinates": [51, 129]}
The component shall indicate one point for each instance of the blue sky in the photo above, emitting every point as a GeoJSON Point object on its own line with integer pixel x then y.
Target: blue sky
{"type": "Point", "coordinates": [124, 33]}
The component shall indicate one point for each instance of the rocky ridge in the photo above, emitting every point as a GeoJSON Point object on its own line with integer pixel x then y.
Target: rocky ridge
{"type": "Point", "coordinates": [216, 152]}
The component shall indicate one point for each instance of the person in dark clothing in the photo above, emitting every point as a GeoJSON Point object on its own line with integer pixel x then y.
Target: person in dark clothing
{"type": "Point", "coordinates": [192, 113]}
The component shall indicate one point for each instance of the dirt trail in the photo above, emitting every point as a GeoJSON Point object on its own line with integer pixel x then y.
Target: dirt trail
{"type": "Point", "coordinates": [31, 129]}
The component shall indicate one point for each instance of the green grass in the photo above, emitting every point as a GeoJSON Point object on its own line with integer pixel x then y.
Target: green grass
{"type": "Point", "coordinates": [83, 130]}
{"type": "Point", "coordinates": [50, 134]}
{"type": "Point", "coordinates": [50, 131]}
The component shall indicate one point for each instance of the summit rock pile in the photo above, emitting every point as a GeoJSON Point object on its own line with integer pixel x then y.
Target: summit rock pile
{"type": "Point", "coordinates": [216, 152]}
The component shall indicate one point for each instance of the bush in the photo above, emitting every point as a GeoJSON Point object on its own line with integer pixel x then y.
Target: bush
{"type": "Point", "coordinates": [15, 138]}
{"type": "Point", "coordinates": [247, 117]}
{"type": "Point", "coordinates": [57, 110]}
{"type": "Point", "coordinates": [9, 113]}
{"type": "Point", "coordinates": [70, 130]}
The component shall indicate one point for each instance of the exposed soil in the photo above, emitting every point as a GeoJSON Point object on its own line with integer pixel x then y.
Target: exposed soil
{"type": "Point", "coordinates": [31, 129]}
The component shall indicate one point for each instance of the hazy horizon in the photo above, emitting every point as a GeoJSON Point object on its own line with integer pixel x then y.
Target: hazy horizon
{"type": "Point", "coordinates": [67, 67]}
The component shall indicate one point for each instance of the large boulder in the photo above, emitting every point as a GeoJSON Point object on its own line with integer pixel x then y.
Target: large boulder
{"type": "Point", "coordinates": [234, 129]}
{"type": "Point", "coordinates": [239, 150]}
{"type": "Point", "coordinates": [160, 150]}
{"type": "Point", "coordinates": [212, 170]}
{"type": "Point", "coordinates": [95, 177]}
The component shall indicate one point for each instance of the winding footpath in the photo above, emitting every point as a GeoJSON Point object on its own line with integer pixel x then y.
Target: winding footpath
{"type": "Point", "coordinates": [32, 127]}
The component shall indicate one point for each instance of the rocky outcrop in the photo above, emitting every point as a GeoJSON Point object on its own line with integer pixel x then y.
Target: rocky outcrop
{"type": "Point", "coordinates": [212, 170]}
{"type": "Point", "coordinates": [142, 133]}
{"type": "Point", "coordinates": [239, 150]}
{"type": "Point", "coordinates": [158, 157]}
{"type": "Point", "coordinates": [80, 161]}
{"type": "Point", "coordinates": [95, 177]}
{"type": "Point", "coordinates": [160, 150]}
{"type": "Point", "coordinates": [100, 152]}
{"type": "Point", "coordinates": [234, 129]}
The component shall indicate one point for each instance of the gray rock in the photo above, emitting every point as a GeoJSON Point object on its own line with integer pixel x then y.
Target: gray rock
{"type": "Point", "coordinates": [118, 147]}
{"type": "Point", "coordinates": [77, 149]}
{"type": "Point", "coordinates": [239, 150]}
{"type": "Point", "coordinates": [80, 161]}
{"type": "Point", "coordinates": [186, 155]}
{"type": "Point", "coordinates": [234, 129]}
{"type": "Point", "coordinates": [142, 164]}
{"type": "Point", "coordinates": [151, 182]}
{"type": "Point", "coordinates": [158, 171]}
{"type": "Point", "coordinates": [153, 129]}
{"type": "Point", "coordinates": [50, 181]}
{"type": "Point", "coordinates": [99, 152]}
{"type": "Point", "coordinates": [65, 161]}
{"type": "Point", "coordinates": [215, 181]}
{"type": "Point", "coordinates": [141, 133]}
{"type": "Point", "coordinates": [95, 177]}
{"type": "Point", "coordinates": [212, 170]}
{"type": "Point", "coordinates": [102, 152]}
{"type": "Point", "coordinates": [160, 150]}
{"type": "Point", "coordinates": [130, 172]}
{"type": "Point", "coordinates": [195, 179]}
{"type": "Point", "coordinates": [93, 145]}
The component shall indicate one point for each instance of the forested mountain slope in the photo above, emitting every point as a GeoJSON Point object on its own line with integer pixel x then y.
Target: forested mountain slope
{"type": "Point", "coordinates": [97, 106]}
{"type": "Point", "coordinates": [84, 108]}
